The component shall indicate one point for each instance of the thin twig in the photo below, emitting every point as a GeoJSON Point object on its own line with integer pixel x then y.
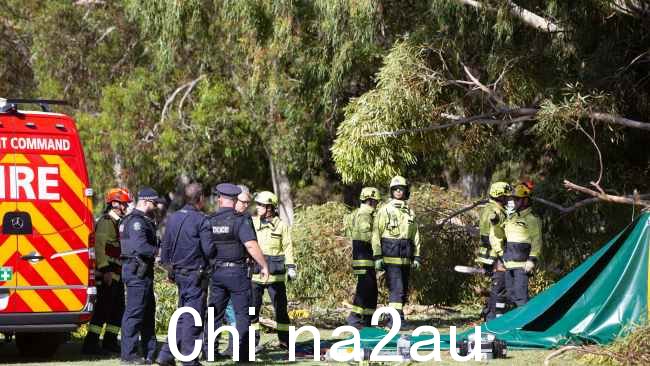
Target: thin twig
{"type": "Point", "coordinates": [484, 88]}
{"type": "Point", "coordinates": [592, 139]}
{"type": "Point", "coordinates": [187, 93]}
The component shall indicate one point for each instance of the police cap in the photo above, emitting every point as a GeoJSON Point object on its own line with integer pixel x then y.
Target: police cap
{"type": "Point", "coordinates": [227, 189]}
{"type": "Point", "coordinates": [149, 194]}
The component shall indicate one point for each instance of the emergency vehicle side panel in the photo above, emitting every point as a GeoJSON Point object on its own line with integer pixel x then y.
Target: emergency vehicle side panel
{"type": "Point", "coordinates": [45, 178]}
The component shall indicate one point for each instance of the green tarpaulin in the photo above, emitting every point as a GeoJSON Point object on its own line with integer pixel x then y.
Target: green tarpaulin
{"type": "Point", "coordinates": [601, 299]}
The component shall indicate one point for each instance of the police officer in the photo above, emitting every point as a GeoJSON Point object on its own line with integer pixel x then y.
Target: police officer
{"type": "Point", "coordinates": [233, 240]}
{"type": "Point", "coordinates": [139, 245]}
{"type": "Point", "coordinates": [490, 226]}
{"type": "Point", "coordinates": [523, 243]}
{"type": "Point", "coordinates": [181, 254]}
{"type": "Point", "coordinates": [274, 237]}
{"type": "Point", "coordinates": [358, 227]}
{"type": "Point", "coordinates": [110, 289]}
{"type": "Point", "coordinates": [396, 243]}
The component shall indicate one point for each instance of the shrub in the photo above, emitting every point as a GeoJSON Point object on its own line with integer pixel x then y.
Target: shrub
{"type": "Point", "coordinates": [324, 255]}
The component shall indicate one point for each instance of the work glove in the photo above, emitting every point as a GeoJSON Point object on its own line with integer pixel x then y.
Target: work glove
{"type": "Point", "coordinates": [416, 263]}
{"type": "Point", "coordinates": [292, 273]}
{"type": "Point", "coordinates": [529, 266]}
{"type": "Point", "coordinates": [379, 264]}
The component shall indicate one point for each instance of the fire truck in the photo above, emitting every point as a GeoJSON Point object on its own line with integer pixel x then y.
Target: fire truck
{"type": "Point", "coordinates": [47, 261]}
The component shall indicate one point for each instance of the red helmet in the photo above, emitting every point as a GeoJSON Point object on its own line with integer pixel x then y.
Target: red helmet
{"type": "Point", "coordinates": [121, 195]}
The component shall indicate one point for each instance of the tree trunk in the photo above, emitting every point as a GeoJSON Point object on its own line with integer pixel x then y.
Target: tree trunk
{"type": "Point", "coordinates": [282, 189]}
{"type": "Point", "coordinates": [470, 184]}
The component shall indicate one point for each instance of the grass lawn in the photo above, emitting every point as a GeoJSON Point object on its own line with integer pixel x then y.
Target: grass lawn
{"type": "Point", "coordinates": [70, 353]}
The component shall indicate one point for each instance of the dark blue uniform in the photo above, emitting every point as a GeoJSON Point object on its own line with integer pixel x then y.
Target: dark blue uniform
{"type": "Point", "coordinates": [230, 280]}
{"type": "Point", "coordinates": [181, 251]}
{"type": "Point", "coordinates": [139, 245]}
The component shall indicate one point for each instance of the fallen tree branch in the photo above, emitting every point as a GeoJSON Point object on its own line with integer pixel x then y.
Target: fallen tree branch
{"type": "Point", "coordinates": [526, 16]}
{"type": "Point", "coordinates": [635, 199]}
{"type": "Point", "coordinates": [610, 118]}
{"type": "Point", "coordinates": [458, 212]}
{"type": "Point", "coordinates": [556, 353]}
{"type": "Point", "coordinates": [525, 114]}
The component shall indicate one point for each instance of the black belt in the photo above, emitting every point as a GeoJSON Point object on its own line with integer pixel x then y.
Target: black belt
{"type": "Point", "coordinates": [229, 264]}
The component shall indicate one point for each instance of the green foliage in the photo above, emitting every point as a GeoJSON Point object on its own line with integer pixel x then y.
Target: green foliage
{"type": "Point", "coordinates": [166, 300]}
{"type": "Point", "coordinates": [403, 95]}
{"type": "Point", "coordinates": [323, 256]}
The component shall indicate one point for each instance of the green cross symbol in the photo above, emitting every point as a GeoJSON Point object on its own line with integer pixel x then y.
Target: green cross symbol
{"type": "Point", "coordinates": [6, 273]}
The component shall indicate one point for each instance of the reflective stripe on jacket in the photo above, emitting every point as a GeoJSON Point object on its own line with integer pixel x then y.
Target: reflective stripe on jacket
{"type": "Point", "coordinates": [523, 238]}
{"type": "Point", "coordinates": [395, 221]}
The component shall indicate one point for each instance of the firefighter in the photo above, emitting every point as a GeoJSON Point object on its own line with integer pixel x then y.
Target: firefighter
{"type": "Point", "coordinates": [490, 225]}
{"type": "Point", "coordinates": [139, 245]}
{"type": "Point", "coordinates": [233, 240]}
{"type": "Point", "coordinates": [274, 237]}
{"type": "Point", "coordinates": [109, 306]}
{"type": "Point", "coordinates": [523, 244]}
{"type": "Point", "coordinates": [396, 243]}
{"type": "Point", "coordinates": [358, 227]}
{"type": "Point", "coordinates": [187, 231]}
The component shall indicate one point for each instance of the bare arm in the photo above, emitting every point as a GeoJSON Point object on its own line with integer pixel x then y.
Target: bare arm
{"type": "Point", "coordinates": [254, 250]}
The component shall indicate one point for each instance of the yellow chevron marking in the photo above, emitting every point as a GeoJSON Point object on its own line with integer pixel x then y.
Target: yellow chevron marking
{"type": "Point", "coordinates": [57, 242]}
{"type": "Point", "coordinates": [7, 249]}
{"type": "Point", "coordinates": [31, 298]}
{"type": "Point", "coordinates": [69, 177]}
{"type": "Point", "coordinates": [72, 220]}
{"type": "Point", "coordinates": [49, 275]}
{"type": "Point", "coordinates": [14, 159]}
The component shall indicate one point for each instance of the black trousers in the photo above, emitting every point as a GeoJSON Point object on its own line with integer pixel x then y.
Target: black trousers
{"type": "Point", "coordinates": [365, 299]}
{"type": "Point", "coordinates": [232, 283]}
{"type": "Point", "coordinates": [109, 309]}
{"type": "Point", "coordinates": [397, 278]}
{"type": "Point", "coordinates": [139, 320]}
{"type": "Point", "coordinates": [498, 297]}
{"type": "Point", "coordinates": [517, 286]}
{"type": "Point", "coordinates": [190, 294]}
{"type": "Point", "coordinates": [278, 294]}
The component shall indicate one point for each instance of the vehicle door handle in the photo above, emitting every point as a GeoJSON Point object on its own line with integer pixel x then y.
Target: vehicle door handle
{"type": "Point", "coordinates": [32, 257]}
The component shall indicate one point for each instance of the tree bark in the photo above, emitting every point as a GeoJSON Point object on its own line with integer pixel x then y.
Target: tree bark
{"type": "Point", "coordinates": [118, 172]}
{"type": "Point", "coordinates": [526, 16]}
{"type": "Point", "coordinates": [282, 189]}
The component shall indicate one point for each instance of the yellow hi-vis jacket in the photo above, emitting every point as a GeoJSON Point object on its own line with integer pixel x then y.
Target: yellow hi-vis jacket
{"type": "Point", "coordinates": [522, 240]}
{"type": "Point", "coordinates": [395, 235]}
{"type": "Point", "coordinates": [491, 217]}
{"type": "Point", "coordinates": [274, 238]}
{"type": "Point", "coordinates": [358, 227]}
